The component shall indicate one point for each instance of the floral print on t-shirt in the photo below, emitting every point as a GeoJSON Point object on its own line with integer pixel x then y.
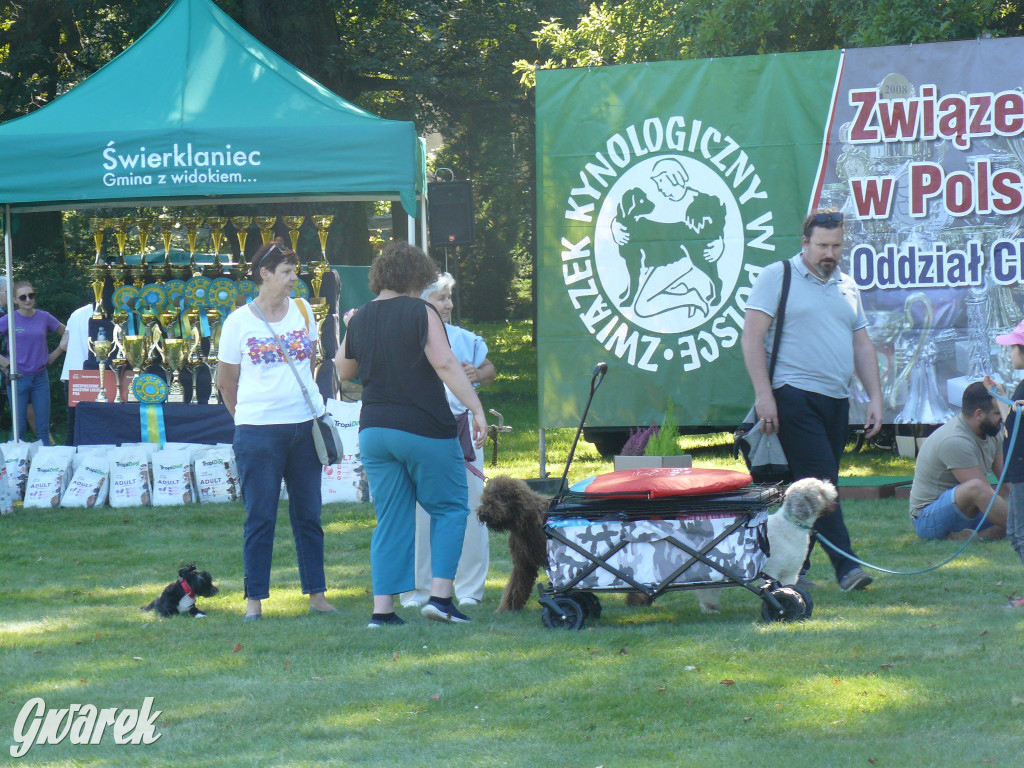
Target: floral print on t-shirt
{"type": "Point", "coordinates": [266, 350]}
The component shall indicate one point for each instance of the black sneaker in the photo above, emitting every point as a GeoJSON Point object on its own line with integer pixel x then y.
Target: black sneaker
{"type": "Point", "coordinates": [854, 579]}
{"type": "Point", "coordinates": [388, 619]}
{"type": "Point", "coordinates": [436, 611]}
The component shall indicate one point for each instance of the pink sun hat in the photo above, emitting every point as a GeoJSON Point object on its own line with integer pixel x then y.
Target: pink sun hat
{"type": "Point", "coordinates": [1016, 336]}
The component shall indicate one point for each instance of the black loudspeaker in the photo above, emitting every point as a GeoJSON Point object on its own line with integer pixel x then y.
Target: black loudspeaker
{"type": "Point", "coordinates": [450, 207]}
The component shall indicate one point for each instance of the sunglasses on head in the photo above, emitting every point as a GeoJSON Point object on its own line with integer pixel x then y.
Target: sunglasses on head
{"type": "Point", "coordinates": [830, 216]}
{"type": "Point", "coordinates": [26, 296]}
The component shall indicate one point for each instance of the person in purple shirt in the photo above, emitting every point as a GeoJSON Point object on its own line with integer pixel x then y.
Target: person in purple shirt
{"type": "Point", "coordinates": [33, 383]}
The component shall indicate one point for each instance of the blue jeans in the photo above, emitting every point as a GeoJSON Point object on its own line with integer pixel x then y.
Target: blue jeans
{"type": "Point", "coordinates": [34, 388]}
{"type": "Point", "coordinates": [265, 454]}
{"type": "Point", "coordinates": [943, 517]}
{"type": "Point", "coordinates": [403, 469]}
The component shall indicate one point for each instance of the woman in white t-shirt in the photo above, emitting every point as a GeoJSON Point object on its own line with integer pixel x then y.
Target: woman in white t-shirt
{"type": "Point", "coordinates": [273, 424]}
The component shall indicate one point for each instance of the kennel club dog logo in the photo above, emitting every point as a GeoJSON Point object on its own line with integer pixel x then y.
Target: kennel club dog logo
{"type": "Point", "coordinates": [660, 277]}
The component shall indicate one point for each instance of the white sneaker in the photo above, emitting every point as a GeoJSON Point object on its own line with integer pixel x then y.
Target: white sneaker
{"type": "Point", "coordinates": [468, 602]}
{"type": "Point", "coordinates": [413, 602]}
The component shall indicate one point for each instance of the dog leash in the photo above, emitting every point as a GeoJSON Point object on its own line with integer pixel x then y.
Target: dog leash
{"type": "Point", "coordinates": [974, 532]}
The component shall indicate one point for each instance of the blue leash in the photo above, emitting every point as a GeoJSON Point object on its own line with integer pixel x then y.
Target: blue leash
{"type": "Point", "coordinates": [974, 532]}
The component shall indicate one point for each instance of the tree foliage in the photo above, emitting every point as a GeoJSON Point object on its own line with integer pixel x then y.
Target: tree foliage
{"type": "Point", "coordinates": [632, 31]}
{"type": "Point", "coordinates": [446, 64]}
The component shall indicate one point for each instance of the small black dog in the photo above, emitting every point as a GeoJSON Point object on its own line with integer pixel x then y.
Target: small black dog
{"type": "Point", "coordinates": [180, 596]}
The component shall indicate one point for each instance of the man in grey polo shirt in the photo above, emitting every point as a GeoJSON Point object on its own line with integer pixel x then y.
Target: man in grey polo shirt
{"type": "Point", "coordinates": [951, 488]}
{"type": "Point", "coordinates": [824, 342]}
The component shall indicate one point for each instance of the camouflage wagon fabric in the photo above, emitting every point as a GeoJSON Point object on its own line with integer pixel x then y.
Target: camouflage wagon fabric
{"type": "Point", "coordinates": [649, 556]}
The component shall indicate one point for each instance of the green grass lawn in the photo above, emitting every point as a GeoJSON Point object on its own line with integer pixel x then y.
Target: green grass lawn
{"type": "Point", "coordinates": [915, 671]}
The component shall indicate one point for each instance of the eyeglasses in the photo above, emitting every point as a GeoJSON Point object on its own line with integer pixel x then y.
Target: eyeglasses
{"type": "Point", "coordinates": [829, 216]}
{"type": "Point", "coordinates": [26, 297]}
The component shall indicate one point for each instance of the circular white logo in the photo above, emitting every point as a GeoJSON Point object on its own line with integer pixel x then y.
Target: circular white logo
{"type": "Point", "coordinates": [668, 243]}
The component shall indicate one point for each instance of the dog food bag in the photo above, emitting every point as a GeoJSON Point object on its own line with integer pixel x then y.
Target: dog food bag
{"type": "Point", "coordinates": [91, 450]}
{"type": "Point", "coordinates": [90, 483]}
{"type": "Point", "coordinates": [6, 497]}
{"type": "Point", "coordinates": [48, 476]}
{"type": "Point", "coordinates": [130, 478]}
{"type": "Point", "coordinates": [173, 477]}
{"type": "Point", "coordinates": [345, 481]}
{"type": "Point", "coordinates": [17, 458]}
{"type": "Point", "coordinates": [216, 474]}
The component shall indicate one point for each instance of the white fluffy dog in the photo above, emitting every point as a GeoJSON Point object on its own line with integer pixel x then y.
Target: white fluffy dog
{"type": "Point", "coordinates": [789, 528]}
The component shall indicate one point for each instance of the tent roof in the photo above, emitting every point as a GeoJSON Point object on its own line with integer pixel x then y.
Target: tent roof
{"type": "Point", "coordinates": [198, 110]}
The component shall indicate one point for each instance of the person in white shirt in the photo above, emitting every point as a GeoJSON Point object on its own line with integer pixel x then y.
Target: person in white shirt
{"type": "Point", "coordinates": [471, 351]}
{"type": "Point", "coordinates": [76, 351]}
{"type": "Point", "coordinates": [274, 424]}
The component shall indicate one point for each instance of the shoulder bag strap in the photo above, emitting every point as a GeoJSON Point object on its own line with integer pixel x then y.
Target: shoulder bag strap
{"type": "Point", "coordinates": [284, 351]}
{"type": "Point", "coordinates": [780, 316]}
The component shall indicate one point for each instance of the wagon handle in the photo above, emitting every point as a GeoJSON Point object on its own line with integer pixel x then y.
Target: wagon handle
{"type": "Point", "coordinates": [595, 381]}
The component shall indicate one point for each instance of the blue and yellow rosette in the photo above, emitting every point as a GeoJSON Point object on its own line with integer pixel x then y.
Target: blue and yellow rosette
{"type": "Point", "coordinates": [247, 289]}
{"type": "Point", "coordinates": [175, 290]}
{"type": "Point", "coordinates": [153, 297]}
{"type": "Point", "coordinates": [222, 295]}
{"type": "Point", "coordinates": [301, 290]}
{"type": "Point", "coordinates": [151, 392]}
{"type": "Point", "coordinates": [197, 290]}
{"type": "Point", "coordinates": [126, 298]}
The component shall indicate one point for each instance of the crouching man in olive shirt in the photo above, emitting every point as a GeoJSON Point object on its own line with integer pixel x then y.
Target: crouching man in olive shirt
{"type": "Point", "coordinates": [951, 490]}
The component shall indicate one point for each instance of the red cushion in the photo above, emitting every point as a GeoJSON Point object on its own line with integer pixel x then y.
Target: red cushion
{"type": "Point", "coordinates": [668, 481]}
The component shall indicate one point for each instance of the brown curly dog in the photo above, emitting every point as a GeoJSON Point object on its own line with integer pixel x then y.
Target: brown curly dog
{"type": "Point", "coordinates": [508, 505]}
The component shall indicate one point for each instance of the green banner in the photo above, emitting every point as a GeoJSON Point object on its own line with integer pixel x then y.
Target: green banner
{"type": "Point", "coordinates": [664, 189]}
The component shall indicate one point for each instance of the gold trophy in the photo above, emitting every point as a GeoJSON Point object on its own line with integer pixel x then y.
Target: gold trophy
{"type": "Point", "coordinates": [266, 225]}
{"type": "Point", "coordinates": [173, 352]}
{"type": "Point", "coordinates": [118, 272]}
{"type": "Point", "coordinates": [101, 349]}
{"type": "Point", "coordinates": [119, 363]}
{"type": "Point", "coordinates": [319, 305]}
{"type": "Point", "coordinates": [121, 227]}
{"type": "Point", "coordinates": [293, 223]}
{"type": "Point", "coordinates": [138, 273]}
{"type": "Point", "coordinates": [98, 273]}
{"type": "Point", "coordinates": [319, 270]}
{"type": "Point", "coordinates": [195, 361]}
{"type": "Point", "coordinates": [137, 350]}
{"type": "Point", "coordinates": [241, 225]}
{"type": "Point", "coordinates": [167, 318]}
{"type": "Point", "coordinates": [216, 224]}
{"type": "Point", "coordinates": [145, 224]}
{"type": "Point", "coordinates": [192, 225]}
{"type": "Point", "coordinates": [167, 226]}
{"type": "Point", "coordinates": [96, 227]}
{"type": "Point", "coordinates": [323, 223]}
{"type": "Point", "coordinates": [213, 316]}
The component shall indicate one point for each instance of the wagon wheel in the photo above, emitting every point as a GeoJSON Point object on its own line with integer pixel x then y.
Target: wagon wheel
{"type": "Point", "coordinates": [808, 602]}
{"type": "Point", "coordinates": [793, 606]}
{"type": "Point", "coordinates": [569, 616]}
{"type": "Point", "coordinates": [590, 602]}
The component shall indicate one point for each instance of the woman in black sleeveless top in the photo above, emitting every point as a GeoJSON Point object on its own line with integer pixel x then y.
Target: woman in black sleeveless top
{"type": "Point", "coordinates": [396, 345]}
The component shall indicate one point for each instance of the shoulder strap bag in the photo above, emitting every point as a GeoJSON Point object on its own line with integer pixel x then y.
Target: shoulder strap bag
{"type": "Point", "coordinates": [763, 453]}
{"type": "Point", "coordinates": [326, 436]}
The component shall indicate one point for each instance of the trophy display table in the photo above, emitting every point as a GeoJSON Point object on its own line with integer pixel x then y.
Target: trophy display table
{"type": "Point", "coordinates": [114, 423]}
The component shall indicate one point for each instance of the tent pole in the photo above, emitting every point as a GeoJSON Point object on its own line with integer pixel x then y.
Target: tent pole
{"type": "Point", "coordinates": [542, 449]}
{"type": "Point", "coordinates": [12, 352]}
{"type": "Point", "coordinates": [412, 229]}
{"type": "Point", "coordinates": [423, 221]}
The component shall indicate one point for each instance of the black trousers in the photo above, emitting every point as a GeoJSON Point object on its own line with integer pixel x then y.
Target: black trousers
{"type": "Point", "coordinates": [813, 435]}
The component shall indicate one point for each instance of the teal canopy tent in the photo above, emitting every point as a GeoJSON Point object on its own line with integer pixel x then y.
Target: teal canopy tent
{"type": "Point", "coordinates": [197, 111]}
